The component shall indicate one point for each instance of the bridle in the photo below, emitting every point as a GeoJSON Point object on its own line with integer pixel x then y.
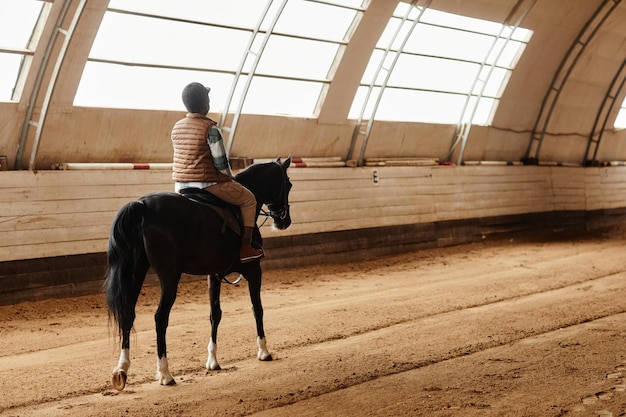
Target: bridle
{"type": "Point", "coordinates": [278, 209]}
{"type": "Point", "coordinates": [281, 212]}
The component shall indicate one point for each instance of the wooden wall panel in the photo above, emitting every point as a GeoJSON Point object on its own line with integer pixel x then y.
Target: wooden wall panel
{"type": "Point", "coordinates": [59, 213]}
{"type": "Point", "coordinates": [475, 191]}
{"type": "Point", "coordinates": [569, 187]}
{"type": "Point", "coordinates": [606, 188]}
{"type": "Point", "coordinates": [330, 199]}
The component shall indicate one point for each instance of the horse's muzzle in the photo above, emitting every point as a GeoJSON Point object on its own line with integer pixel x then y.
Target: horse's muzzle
{"type": "Point", "coordinates": [282, 222]}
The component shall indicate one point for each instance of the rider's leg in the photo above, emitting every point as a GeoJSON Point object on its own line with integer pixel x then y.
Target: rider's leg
{"type": "Point", "coordinates": [234, 193]}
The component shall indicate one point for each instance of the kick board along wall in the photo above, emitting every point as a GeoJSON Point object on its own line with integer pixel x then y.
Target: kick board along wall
{"type": "Point", "coordinates": [54, 225]}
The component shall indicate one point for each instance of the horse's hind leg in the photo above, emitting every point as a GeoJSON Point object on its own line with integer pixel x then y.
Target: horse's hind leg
{"type": "Point", "coordinates": [120, 372]}
{"type": "Point", "coordinates": [215, 285]}
{"type": "Point", "coordinates": [169, 287]}
{"type": "Point", "coordinates": [254, 285]}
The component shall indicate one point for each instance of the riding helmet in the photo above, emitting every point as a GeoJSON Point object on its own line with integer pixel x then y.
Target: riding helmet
{"type": "Point", "coordinates": [196, 97]}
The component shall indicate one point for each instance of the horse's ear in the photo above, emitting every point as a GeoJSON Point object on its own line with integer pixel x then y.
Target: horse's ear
{"type": "Point", "coordinates": [277, 160]}
{"type": "Point", "coordinates": [287, 162]}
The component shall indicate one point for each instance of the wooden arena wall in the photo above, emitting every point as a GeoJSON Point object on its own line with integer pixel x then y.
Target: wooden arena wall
{"type": "Point", "coordinates": [54, 225]}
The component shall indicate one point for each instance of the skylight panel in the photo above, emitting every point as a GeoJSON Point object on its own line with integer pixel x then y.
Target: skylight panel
{"type": "Point", "coordinates": [435, 74]}
{"type": "Point", "coordinates": [350, 3]}
{"type": "Point", "coordinates": [506, 53]}
{"type": "Point", "coordinates": [10, 64]}
{"type": "Point", "coordinates": [449, 43]}
{"type": "Point", "coordinates": [18, 39]}
{"type": "Point", "coordinates": [402, 104]}
{"type": "Point", "coordinates": [496, 80]}
{"type": "Point", "coordinates": [303, 18]}
{"type": "Point", "coordinates": [119, 86]}
{"type": "Point", "coordinates": [308, 59]}
{"type": "Point", "coordinates": [236, 13]}
{"type": "Point", "coordinates": [17, 21]}
{"type": "Point", "coordinates": [166, 42]}
{"type": "Point", "coordinates": [460, 22]}
{"type": "Point", "coordinates": [282, 96]}
{"type": "Point", "coordinates": [620, 121]}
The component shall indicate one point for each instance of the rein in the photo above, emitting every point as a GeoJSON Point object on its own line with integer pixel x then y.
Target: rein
{"type": "Point", "coordinates": [283, 211]}
{"type": "Point", "coordinates": [265, 214]}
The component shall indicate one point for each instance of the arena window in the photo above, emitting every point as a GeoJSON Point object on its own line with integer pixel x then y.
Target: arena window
{"type": "Point", "coordinates": [18, 42]}
{"type": "Point", "coordinates": [185, 40]}
{"type": "Point", "coordinates": [620, 121]}
{"type": "Point", "coordinates": [439, 62]}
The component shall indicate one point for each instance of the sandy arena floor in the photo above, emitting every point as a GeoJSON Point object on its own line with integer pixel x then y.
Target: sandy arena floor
{"type": "Point", "coordinates": [509, 328]}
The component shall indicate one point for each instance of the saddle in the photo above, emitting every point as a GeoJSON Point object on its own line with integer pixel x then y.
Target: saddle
{"type": "Point", "coordinates": [230, 214]}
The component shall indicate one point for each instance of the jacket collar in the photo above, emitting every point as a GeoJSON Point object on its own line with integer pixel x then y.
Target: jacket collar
{"type": "Point", "coordinates": [199, 116]}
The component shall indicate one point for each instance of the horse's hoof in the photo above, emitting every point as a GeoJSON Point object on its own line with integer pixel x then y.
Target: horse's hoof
{"type": "Point", "coordinates": [263, 354]}
{"type": "Point", "coordinates": [119, 380]}
{"type": "Point", "coordinates": [167, 381]}
{"type": "Point", "coordinates": [165, 378]}
{"type": "Point", "coordinates": [214, 366]}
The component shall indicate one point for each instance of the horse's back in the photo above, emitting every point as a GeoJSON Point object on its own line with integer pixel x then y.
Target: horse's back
{"type": "Point", "coordinates": [180, 231]}
{"type": "Point", "coordinates": [171, 208]}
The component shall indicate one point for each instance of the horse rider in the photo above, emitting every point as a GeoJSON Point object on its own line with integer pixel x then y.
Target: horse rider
{"type": "Point", "coordinates": [200, 161]}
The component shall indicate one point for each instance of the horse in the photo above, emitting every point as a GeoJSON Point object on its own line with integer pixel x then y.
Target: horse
{"type": "Point", "coordinates": [174, 234]}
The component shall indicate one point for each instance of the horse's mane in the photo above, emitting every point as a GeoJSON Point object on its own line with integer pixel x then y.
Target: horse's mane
{"type": "Point", "coordinates": [254, 173]}
{"type": "Point", "coordinates": [251, 169]}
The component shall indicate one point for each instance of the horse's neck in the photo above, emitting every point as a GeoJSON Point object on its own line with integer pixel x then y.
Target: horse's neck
{"type": "Point", "coordinates": [246, 178]}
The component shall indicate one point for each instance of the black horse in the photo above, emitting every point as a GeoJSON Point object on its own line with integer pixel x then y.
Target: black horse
{"type": "Point", "coordinates": [175, 235]}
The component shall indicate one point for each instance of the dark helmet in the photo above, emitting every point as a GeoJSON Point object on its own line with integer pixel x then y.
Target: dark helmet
{"type": "Point", "coordinates": [196, 98]}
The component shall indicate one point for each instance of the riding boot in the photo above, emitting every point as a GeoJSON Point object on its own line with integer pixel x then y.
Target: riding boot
{"type": "Point", "coordinates": [247, 253]}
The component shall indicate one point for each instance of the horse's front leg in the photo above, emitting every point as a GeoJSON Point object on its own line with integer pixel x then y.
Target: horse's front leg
{"type": "Point", "coordinates": [215, 285]}
{"type": "Point", "coordinates": [254, 285]}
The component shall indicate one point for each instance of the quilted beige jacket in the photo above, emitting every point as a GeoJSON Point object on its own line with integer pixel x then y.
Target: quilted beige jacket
{"type": "Point", "coordinates": [192, 156]}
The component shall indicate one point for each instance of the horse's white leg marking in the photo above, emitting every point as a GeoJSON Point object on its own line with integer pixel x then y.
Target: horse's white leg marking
{"type": "Point", "coordinates": [163, 374]}
{"type": "Point", "coordinates": [263, 354]}
{"type": "Point", "coordinates": [121, 370]}
{"type": "Point", "coordinates": [211, 363]}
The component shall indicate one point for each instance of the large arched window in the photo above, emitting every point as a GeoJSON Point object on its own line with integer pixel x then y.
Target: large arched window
{"type": "Point", "coordinates": [147, 50]}
{"type": "Point", "coordinates": [440, 63]}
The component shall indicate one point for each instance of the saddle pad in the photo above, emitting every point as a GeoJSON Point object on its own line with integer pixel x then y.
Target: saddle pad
{"type": "Point", "coordinates": [228, 212]}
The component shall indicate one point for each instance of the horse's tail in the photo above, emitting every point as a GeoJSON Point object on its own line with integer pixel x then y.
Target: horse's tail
{"type": "Point", "coordinates": [125, 248]}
